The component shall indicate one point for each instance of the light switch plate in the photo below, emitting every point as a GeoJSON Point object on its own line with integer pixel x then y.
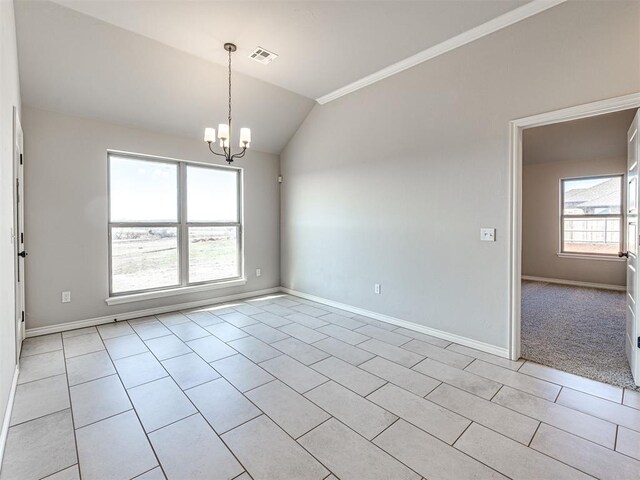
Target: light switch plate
{"type": "Point", "coordinates": [66, 297]}
{"type": "Point", "coordinates": [488, 234]}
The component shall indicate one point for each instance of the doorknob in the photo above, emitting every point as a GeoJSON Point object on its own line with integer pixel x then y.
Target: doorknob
{"type": "Point", "coordinates": [23, 254]}
{"type": "Point", "coordinates": [623, 254]}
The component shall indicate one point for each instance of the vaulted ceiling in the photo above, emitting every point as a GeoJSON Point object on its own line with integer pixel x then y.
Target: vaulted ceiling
{"type": "Point", "coordinates": [160, 64]}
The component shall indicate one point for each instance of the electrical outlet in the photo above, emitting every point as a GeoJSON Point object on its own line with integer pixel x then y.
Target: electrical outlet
{"type": "Point", "coordinates": [488, 234]}
{"type": "Point", "coordinates": [66, 297]}
{"type": "Point", "coordinates": [376, 289]}
{"type": "Point", "coordinates": [258, 272]}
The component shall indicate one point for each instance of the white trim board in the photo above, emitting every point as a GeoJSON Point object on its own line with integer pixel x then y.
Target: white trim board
{"type": "Point", "coordinates": [505, 20]}
{"type": "Point", "coordinates": [7, 414]}
{"type": "Point", "coordinates": [452, 337]}
{"type": "Point", "coordinates": [516, 127]}
{"type": "Point", "coordinates": [575, 283]}
{"type": "Point", "coordinates": [91, 322]}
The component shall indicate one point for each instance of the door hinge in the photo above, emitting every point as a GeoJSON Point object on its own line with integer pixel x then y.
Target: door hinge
{"type": "Point", "coordinates": [23, 316]}
{"type": "Point", "coordinates": [279, 178]}
{"type": "Point", "coordinates": [20, 159]}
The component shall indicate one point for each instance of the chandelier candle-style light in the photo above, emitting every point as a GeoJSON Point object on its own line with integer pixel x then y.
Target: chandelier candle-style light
{"type": "Point", "coordinates": [224, 129]}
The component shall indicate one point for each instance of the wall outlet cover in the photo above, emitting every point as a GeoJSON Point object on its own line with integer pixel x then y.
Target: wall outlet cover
{"type": "Point", "coordinates": [488, 234]}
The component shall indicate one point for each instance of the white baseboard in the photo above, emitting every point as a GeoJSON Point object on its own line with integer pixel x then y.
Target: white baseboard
{"type": "Point", "coordinates": [91, 322]}
{"type": "Point", "coordinates": [452, 337]}
{"type": "Point", "coordinates": [7, 414]}
{"type": "Point", "coordinates": [468, 342]}
{"type": "Point", "coordinates": [560, 281]}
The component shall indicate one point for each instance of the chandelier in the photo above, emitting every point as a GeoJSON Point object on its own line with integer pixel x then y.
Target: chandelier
{"type": "Point", "coordinates": [224, 129]}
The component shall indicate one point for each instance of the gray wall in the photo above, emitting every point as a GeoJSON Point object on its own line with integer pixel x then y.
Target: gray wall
{"type": "Point", "coordinates": [9, 97]}
{"type": "Point", "coordinates": [541, 226]}
{"type": "Point", "coordinates": [66, 214]}
{"type": "Point", "coordinates": [392, 183]}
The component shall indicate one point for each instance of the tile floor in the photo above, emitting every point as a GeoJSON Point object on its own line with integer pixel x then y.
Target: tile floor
{"type": "Point", "coordinates": [282, 388]}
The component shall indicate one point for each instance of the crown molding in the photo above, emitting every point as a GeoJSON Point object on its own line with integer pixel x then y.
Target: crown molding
{"type": "Point", "coordinates": [528, 10]}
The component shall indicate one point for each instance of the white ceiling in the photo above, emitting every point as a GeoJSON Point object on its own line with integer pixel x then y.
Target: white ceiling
{"type": "Point", "coordinates": [74, 64]}
{"type": "Point", "coordinates": [594, 138]}
{"type": "Point", "coordinates": [159, 65]}
{"type": "Point", "coordinates": [323, 45]}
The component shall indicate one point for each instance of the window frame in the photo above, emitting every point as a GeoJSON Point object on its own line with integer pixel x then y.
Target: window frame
{"type": "Point", "coordinates": [182, 225]}
{"type": "Point", "coordinates": [621, 217]}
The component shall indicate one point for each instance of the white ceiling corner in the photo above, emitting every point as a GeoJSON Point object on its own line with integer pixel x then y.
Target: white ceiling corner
{"type": "Point", "coordinates": [325, 48]}
{"type": "Point", "coordinates": [160, 64]}
{"type": "Point", "coordinates": [513, 16]}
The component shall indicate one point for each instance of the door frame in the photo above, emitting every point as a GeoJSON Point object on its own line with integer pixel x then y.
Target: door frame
{"type": "Point", "coordinates": [18, 227]}
{"type": "Point", "coordinates": [516, 127]}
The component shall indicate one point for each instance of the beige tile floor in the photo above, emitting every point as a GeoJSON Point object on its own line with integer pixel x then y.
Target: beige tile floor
{"type": "Point", "coordinates": [282, 388]}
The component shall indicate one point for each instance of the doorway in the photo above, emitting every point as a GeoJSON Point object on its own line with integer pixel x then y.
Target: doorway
{"type": "Point", "coordinates": [18, 230]}
{"type": "Point", "coordinates": [556, 292]}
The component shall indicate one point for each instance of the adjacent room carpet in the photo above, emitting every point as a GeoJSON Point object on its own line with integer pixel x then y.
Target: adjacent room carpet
{"type": "Point", "coordinates": [575, 329]}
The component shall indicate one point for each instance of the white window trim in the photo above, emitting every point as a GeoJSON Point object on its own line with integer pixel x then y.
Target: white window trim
{"type": "Point", "coordinates": [593, 256]}
{"type": "Point", "coordinates": [585, 255]}
{"type": "Point", "coordinates": [182, 225]}
{"type": "Point", "coordinates": [138, 297]}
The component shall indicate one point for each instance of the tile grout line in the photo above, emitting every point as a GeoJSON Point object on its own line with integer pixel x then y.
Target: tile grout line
{"type": "Point", "coordinates": [555, 400]}
{"type": "Point", "coordinates": [494, 395]}
{"type": "Point", "coordinates": [501, 385]}
{"type": "Point", "coordinates": [519, 390]}
{"type": "Point", "coordinates": [132, 404]}
{"type": "Point", "coordinates": [471, 422]}
{"type": "Point", "coordinates": [472, 457]}
{"type": "Point", "coordinates": [331, 417]}
{"type": "Point", "coordinates": [105, 418]}
{"type": "Point", "coordinates": [143, 473]}
{"type": "Point", "coordinates": [194, 406]}
{"type": "Point", "coordinates": [43, 378]}
{"type": "Point", "coordinates": [458, 414]}
{"type": "Point", "coordinates": [73, 422]}
{"type": "Point", "coordinates": [559, 428]}
{"type": "Point", "coordinates": [398, 418]}
{"type": "Point", "coordinates": [579, 469]}
{"type": "Point", "coordinates": [358, 366]}
{"type": "Point", "coordinates": [278, 425]}
{"type": "Point", "coordinates": [534, 434]}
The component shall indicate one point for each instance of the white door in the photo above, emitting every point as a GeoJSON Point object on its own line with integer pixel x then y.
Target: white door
{"type": "Point", "coordinates": [633, 332]}
{"type": "Point", "coordinates": [18, 230]}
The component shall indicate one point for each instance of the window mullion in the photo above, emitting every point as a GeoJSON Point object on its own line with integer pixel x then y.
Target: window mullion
{"type": "Point", "coordinates": [184, 231]}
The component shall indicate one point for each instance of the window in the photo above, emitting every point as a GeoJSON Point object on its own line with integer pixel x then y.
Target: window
{"type": "Point", "coordinates": [172, 224]}
{"type": "Point", "coordinates": [591, 215]}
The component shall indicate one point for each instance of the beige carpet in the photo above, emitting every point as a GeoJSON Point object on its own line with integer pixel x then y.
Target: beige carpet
{"type": "Point", "coordinates": [577, 330]}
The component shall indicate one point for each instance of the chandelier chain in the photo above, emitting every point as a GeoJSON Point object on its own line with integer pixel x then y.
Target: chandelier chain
{"type": "Point", "coordinates": [225, 142]}
{"type": "Point", "coordinates": [229, 90]}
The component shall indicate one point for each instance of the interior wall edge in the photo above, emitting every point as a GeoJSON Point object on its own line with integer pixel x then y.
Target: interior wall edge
{"type": "Point", "coordinates": [7, 414]}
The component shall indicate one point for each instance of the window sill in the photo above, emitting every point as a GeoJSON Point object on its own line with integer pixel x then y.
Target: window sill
{"type": "Point", "coordinates": [139, 297]}
{"type": "Point", "coordinates": [586, 256]}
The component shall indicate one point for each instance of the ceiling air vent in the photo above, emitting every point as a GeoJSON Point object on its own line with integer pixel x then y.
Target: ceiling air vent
{"type": "Point", "coordinates": [263, 56]}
